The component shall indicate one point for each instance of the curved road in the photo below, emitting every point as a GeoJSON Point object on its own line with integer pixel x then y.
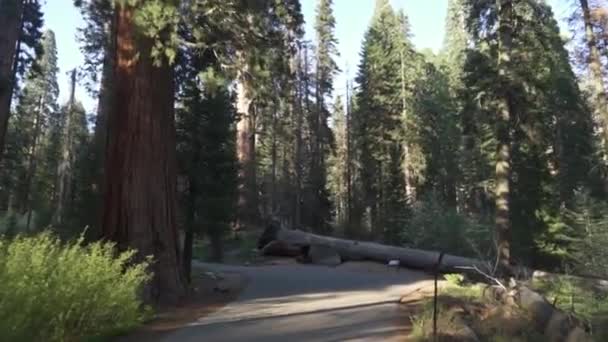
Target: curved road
{"type": "Point", "coordinates": [309, 303]}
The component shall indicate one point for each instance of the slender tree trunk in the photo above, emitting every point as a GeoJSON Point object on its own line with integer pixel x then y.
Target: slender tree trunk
{"type": "Point", "coordinates": [308, 218]}
{"type": "Point", "coordinates": [298, 137]}
{"type": "Point", "coordinates": [503, 153]}
{"type": "Point", "coordinates": [245, 140]}
{"type": "Point", "coordinates": [409, 189]}
{"type": "Point", "coordinates": [100, 134]}
{"type": "Point", "coordinates": [64, 171]}
{"type": "Point", "coordinates": [31, 169]}
{"type": "Point", "coordinates": [316, 164]}
{"type": "Point", "coordinates": [140, 164]}
{"type": "Point", "coordinates": [273, 157]}
{"type": "Point", "coordinates": [595, 66]}
{"type": "Point", "coordinates": [189, 230]}
{"type": "Point", "coordinates": [294, 113]}
{"type": "Point", "coordinates": [11, 19]}
{"type": "Point", "coordinates": [348, 177]}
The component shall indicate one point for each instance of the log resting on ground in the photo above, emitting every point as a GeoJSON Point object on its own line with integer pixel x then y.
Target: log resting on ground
{"type": "Point", "coordinates": [358, 250]}
{"type": "Point", "coordinates": [554, 324]}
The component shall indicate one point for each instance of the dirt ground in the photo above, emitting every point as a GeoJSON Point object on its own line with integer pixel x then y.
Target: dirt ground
{"type": "Point", "coordinates": [209, 293]}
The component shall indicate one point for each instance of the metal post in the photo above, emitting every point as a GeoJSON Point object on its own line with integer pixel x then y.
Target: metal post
{"type": "Point", "coordinates": [437, 267]}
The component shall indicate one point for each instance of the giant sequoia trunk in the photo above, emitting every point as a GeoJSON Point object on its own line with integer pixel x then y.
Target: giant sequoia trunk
{"type": "Point", "coordinates": [11, 13]}
{"type": "Point", "coordinates": [140, 180]}
{"type": "Point", "coordinates": [503, 151]}
{"type": "Point", "coordinates": [358, 250]}
{"type": "Point", "coordinates": [245, 140]}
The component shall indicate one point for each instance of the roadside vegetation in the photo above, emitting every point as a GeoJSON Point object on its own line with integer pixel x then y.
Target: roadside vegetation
{"type": "Point", "coordinates": [580, 298]}
{"type": "Point", "coordinates": [465, 313]}
{"type": "Point", "coordinates": [55, 291]}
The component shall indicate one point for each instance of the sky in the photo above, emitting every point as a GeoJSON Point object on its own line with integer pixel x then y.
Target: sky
{"type": "Point", "coordinates": [352, 18]}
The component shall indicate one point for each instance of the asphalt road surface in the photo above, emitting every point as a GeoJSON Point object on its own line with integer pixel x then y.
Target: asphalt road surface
{"type": "Point", "coordinates": [310, 303]}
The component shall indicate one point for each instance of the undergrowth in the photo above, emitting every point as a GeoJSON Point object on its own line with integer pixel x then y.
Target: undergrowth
{"type": "Point", "coordinates": [55, 291]}
{"type": "Point", "coordinates": [459, 301]}
{"type": "Point", "coordinates": [580, 298]}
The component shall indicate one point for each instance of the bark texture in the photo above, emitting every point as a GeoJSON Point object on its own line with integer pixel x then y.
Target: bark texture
{"type": "Point", "coordinates": [554, 324]}
{"type": "Point", "coordinates": [245, 130]}
{"type": "Point", "coordinates": [595, 66]}
{"type": "Point", "coordinates": [357, 250]}
{"type": "Point", "coordinates": [11, 13]}
{"type": "Point", "coordinates": [503, 152]}
{"type": "Point", "coordinates": [140, 163]}
{"type": "Point", "coordinates": [100, 134]}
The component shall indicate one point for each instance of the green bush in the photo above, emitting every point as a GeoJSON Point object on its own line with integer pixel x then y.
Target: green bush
{"type": "Point", "coordinates": [435, 226]}
{"type": "Point", "coordinates": [54, 291]}
{"type": "Point", "coordinates": [579, 297]}
{"type": "Point", "coordinates": [589, 220]}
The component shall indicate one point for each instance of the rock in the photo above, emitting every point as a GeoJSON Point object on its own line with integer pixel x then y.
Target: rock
{"type": "Point", "coordinates": [322, 255]}
{"type": "Point", "coordinates": [577, 335]}
{"type": "Point", "coordinates": [280, 248]}
{"type": "Point", "coordinates": [222, 287]}
{"type": "Point", "coordinates": [462, 332]}
{"type": "Point", "coordinates": [557, 327]}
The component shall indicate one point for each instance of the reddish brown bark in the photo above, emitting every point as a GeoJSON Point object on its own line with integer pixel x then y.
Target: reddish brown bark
{"type": "Point", "coordinates": [140, 181]}
{"type": "Point", "coordinates": [245, 140]}
{"type": "Point", "coordinates": [10, 17]}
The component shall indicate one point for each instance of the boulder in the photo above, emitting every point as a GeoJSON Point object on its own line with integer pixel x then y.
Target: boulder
{"type": "Point", "coordinates": [323, 255]}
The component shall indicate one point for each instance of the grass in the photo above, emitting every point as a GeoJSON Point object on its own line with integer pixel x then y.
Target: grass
{"type": "Point", "coordinates": [578, 297]}
{"type": "Point", "coordinates": [490, 322]}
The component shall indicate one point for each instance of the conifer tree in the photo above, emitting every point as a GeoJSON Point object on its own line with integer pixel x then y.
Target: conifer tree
{"type": "Point", "coordinates": [19, 40]}
{"type": "Point", "coordinates": [544, 144]}
{"type": "Point", "coordinates": [36, 108]}
{"type": "Point", "coordinates": [140, 166]}
{"type": "Point", "coordinates": [378, 121]}
{"type": "Point", "coordinates": [326, 68]}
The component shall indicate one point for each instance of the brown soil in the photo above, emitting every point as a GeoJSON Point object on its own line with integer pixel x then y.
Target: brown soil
{"type": "Point", "coordinates": [486, 319]}
{"type": "Point", "coordinates": [209, 293]}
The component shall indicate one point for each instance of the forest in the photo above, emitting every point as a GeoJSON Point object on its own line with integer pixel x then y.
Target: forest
{"type": "Point", "coordinates": [214, 117]}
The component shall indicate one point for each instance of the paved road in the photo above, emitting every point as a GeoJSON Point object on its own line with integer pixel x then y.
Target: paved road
{"type": "Point", "coordinates": [309, 303]}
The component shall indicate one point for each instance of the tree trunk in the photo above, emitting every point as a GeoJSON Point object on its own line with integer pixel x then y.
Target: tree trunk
{"type": "Point", "coordinates": [190, 221]}
{"type": "Point", "coordinates": [64, 171]}
{"type": "Point", "coordinates": [187, 253]}
{"type": "Point", "coordinates": [140, 176]}
{"type": "Point", "coordinates": [31, 169]}
{"type": "Point", "coordinates": [11, 17]}
{"type": "Point", "coordinates": [217, 247]}
{"type": "Point", "coordinates": [273, 157]}
{"type": "Point", "coordinates": [315, 160]}
{"type": "Point", "coordinates": [245, 140]}
{"type": "Point", "coordinates": [409, 189]}
{"type": "Point", "coordinates": [358, 250]}
{"type": "Point", "coordinates": [595, 66]}
{"type": "Point", "coordinates": [551, 322]}
{"type": "Point", "coordinates": [100, 134]}
{"type": "Point", "coordinates": [297, 70]}
{"type": "Point", "coordinates": [348, 180]}
{"type": "Point", "coordinates": [503, 152]}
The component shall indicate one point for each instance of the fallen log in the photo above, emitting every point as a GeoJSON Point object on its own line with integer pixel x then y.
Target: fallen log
{"type": "Point", "coordinates": [554, 324]}
{"type": "Point", "coordinates": [358, 250]}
